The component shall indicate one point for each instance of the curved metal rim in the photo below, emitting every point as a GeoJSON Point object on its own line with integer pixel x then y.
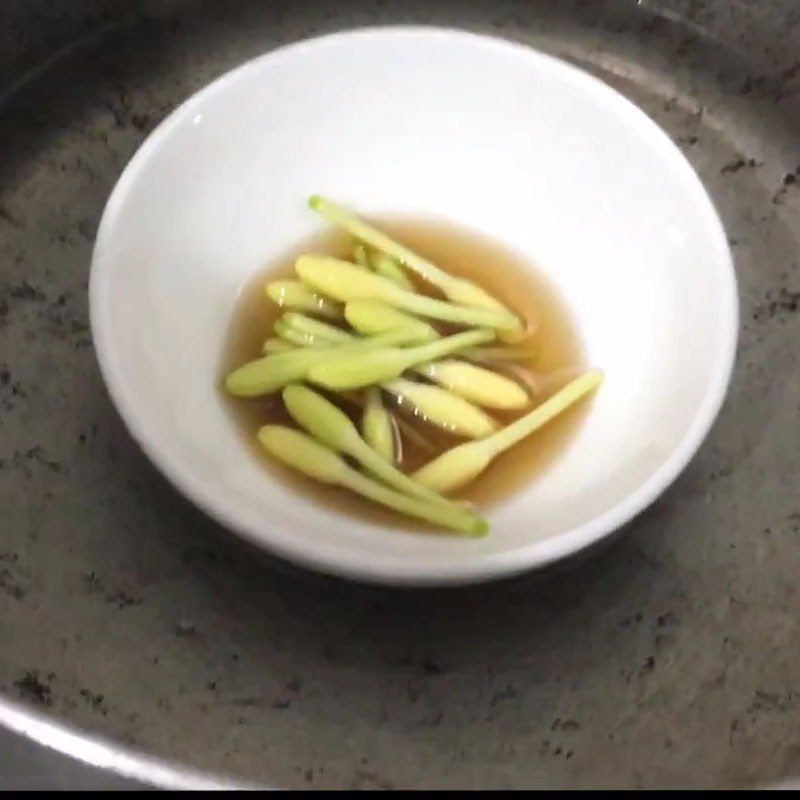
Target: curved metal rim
{"type": "Point", "coordinates": [103, 754]}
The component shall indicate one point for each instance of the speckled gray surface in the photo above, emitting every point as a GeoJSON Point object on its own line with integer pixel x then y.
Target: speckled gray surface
{"type": "Point", "coordinates": [669, 659]}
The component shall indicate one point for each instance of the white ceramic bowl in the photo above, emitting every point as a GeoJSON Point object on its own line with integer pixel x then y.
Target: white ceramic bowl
{"type": "Point", "coordinates": [444, 124]}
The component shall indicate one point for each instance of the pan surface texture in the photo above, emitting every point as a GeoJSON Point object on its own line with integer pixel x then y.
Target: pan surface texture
{"type": "Point", "coordinates": [137, 635]}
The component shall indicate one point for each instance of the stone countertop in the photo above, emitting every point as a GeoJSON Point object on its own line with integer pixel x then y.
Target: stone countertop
{"type": "Point", "coordinates": [668, 659]}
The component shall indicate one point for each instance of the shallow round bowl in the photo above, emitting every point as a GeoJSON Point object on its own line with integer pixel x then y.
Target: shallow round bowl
{"type": "Point", "coordinates": [497, 137]}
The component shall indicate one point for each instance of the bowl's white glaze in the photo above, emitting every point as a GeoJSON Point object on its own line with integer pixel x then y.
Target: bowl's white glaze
{"type": "Point", "coordinates": [447, 124]}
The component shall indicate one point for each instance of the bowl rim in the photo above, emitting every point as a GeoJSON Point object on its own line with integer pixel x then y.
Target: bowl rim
{"type": "Point", "coordinates": [393, 570]}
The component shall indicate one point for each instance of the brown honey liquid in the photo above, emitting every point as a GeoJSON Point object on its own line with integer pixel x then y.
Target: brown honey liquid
{"type": "Point", "coordinates": [500, 272]}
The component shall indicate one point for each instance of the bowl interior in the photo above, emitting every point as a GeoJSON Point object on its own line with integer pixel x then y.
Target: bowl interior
{"type": "Point", "coordinates": [439, 124]}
